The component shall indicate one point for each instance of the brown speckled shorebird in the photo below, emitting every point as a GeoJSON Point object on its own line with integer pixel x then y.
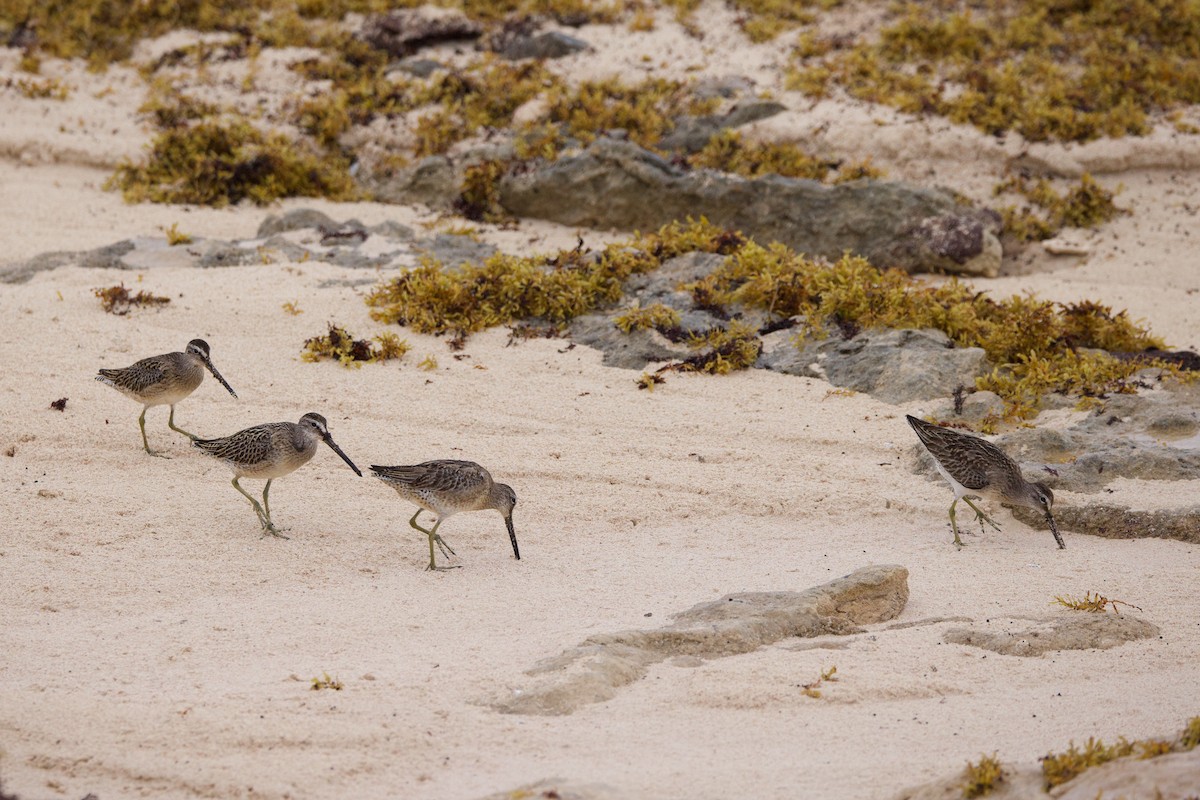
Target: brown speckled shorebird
{"type": "Point", "coordinates": [164, 381]}
{"type": "Point", "coordinates": [445, 488]}
{"type": "Point", "coordinates": [271, 451]}
{"type": "Point", "coordinates": [977, 468]}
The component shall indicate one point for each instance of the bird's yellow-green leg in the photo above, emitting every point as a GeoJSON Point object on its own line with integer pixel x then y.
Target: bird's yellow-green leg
{"type": "Point", "coordinates": [263, 519]}
{"type": "Point", "coordinates": [954, 526]}
{"type": "Point", "coordinates": [447, 551]}
{"type": "Point", "coordinates": [980, 516]}
{"type": "Point", "coordinates": [145, 441]}
{"type": "Point", "coordinates": [433, 537]}
{"type": "Point", "coordinates": [266, 503]}
{"type": "Point", "coordinates": [172, 426]}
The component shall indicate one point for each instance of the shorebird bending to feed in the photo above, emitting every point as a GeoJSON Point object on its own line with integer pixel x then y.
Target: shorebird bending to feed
{"type": "Point", "coordinates": [164, 381]}
{"type": "Point", "coordinates": [270, 451]}
{"type": "Point", "coordinates": [445, 488]}
{"type": "Point", "coordinates": [976, 468]}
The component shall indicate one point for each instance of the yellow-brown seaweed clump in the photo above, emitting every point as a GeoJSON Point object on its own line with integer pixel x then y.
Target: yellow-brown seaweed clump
{"type": "Point", "coordinates": [339, 344]}
{"type": "Point", "coordinates": [1037, 346]}
{"type": "Point", "coordinates": [1048, 69]}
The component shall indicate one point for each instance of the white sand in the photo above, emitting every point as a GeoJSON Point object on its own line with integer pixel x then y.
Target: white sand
{"type": "Point", "coordinates": [154, 645]}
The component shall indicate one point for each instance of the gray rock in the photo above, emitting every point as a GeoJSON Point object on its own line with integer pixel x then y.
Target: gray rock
{"type": "Point", "coordinates": [404, 31]}
{"type": "Point", "coordinates": [624, 350]}
{"type": "Point", "coordinates": [551, 44]}
{"type": "Point", "coordinates": [618, 184]}
{"type": "Point", "coordinates": [735, 624]}
{"type": "Point", "coordinates": [662, 285]}
{"type": "Point", "coordinates": [107, 257]}
{"type": "Point", "coordinates": [288, 250]}
{"type": "Point", "coordinates": [1111, 522]}
{"type": "Point", "coordinates": [433, 181]}
{"type": "Point", "coordinates": [1085, 462]}
{"type": "Point", "coordinates": [354, 260]}
{"type": "Point", "coordinates": [1174, 776]}
{"type": "Point", "coordinates": [1070, 630]}
{"type": "Point", "coordinates": [691, 134]}
{"type": "Point", "coordinates": [978, 405]}
{"type": "Point", "coordinates": [961, 238]}
{"type": "Point", "coordinates": [454, 250]}
{"type": "Point", "coordinates": [1169, 422]}
{"type": "Point", "coordinates": [722, 86]}
{"type": "Point", "coordinates": [418, 67]}
{"type": "Point", "coordinates": [226, 254]}
{"type": "Point", "coordinates": [350, 233]}
{"type": "Point", "coordinates": [294, 220]}
{"type": "Point", "coordinates": [895, 366]}
{"type": "Point", "coordinates": [391, 229]}
{"type": "Point", "coordinates": [1167, 777]}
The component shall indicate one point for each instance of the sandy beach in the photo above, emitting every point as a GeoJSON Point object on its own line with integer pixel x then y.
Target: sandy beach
{"type": "Point", "coordinates": [155, 645]}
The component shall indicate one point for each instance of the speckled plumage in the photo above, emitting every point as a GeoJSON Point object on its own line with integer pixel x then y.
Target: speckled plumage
{"type": "Point", "coordinates": [163, 380]}
{"type": "Point", "coordinates": [447, 487]}
{"type": "Point", "coordinates": [270, 451]}
{"type": "Point", "coordinates": [977, 468]}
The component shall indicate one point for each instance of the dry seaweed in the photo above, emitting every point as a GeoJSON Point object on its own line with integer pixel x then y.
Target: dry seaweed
{"type": "Point", "coordinates": [350, 352]}
{"type": "Point", "coordinates": [117, 299]}
{"type": "Point", "coordinates": [1049, 69]}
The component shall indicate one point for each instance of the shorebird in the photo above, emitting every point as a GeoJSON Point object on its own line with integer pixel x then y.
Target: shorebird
{"type": "Point", "coordinates": [445, 488]}
{"type": "Point", "coordinates": [164, 381]}
{"type": "Point", "coordinates": [270, 451]}
{"type": "Point", "coordinates": [975, 468]}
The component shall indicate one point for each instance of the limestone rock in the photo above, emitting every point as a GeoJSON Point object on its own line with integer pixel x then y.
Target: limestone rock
{"type": "Point", "coordinates": [1174, 776]}
{"type": "Point", "coordinates": [632, 350]}
{"type": "Point", "coordinates": [296, 219]}
{"type": "Point", "coordinates": [618, 184]}
{"type": "Point", "coordinates": [895, 366]}
{"type": "Point", "coordinates": [404, 31]}
{"type": "Point", "coordinates": [692, 133]}
{"type": "Point", "coordinates": [551, 44]}
{"type": "Point", "coordinates": [737, 623]}
{"type": "Point", "coordinates": [1110, 522]}
{"type": "Point", "coordinates": [434, 181]}
{"type": "Point", "coordinates": [1072, 630]}
{"type": "Point", "coordinates": [454, 249]}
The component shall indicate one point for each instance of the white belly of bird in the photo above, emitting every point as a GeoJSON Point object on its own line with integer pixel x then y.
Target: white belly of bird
{"type": "Point", "coordinates": [959, 489]}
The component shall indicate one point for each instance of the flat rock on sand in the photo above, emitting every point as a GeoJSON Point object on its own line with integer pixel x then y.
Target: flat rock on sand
{"type": "Point", "coordinates": [737, 623]}
{"type": "Point", "coordinates": [1081, 631]}
{"type": "Point", "coordinates": [1168, 777]}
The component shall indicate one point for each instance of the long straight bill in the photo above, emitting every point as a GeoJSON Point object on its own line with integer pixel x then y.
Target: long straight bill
{"type": "Point", "coordinates": [512, 535]}
{"type": "Point", "coordinates": [1057, 536]}
{"type": "Point", "coordinates": [329, 441]}
{"type": "Point", "coordinates": [208, 363]}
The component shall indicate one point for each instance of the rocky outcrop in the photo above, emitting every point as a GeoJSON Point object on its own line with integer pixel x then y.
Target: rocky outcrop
{"type": "Point", "coordinates": [895, 366]}
{"type": "Point", "coordinates": [616, 184]}
{"type": "Point", "coordinates": [404, 31]}
{"type": "Point", "coordinates": [1075, 630]}
{"type": "Point", "coordinates": [1112, 522]}
{"type": "Point", "coordinates": [551, 44]}
{"type": "Point", "coordinates": [737, 623]}
{"type": "Point", "coordinates": [1152, 435]}
{"type": "Point", "coordinates": [297, 235]}
{"type": "Point", "coordinates": [1171, 776]}
{"type": "Point", "coordinates": [692, 133]}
